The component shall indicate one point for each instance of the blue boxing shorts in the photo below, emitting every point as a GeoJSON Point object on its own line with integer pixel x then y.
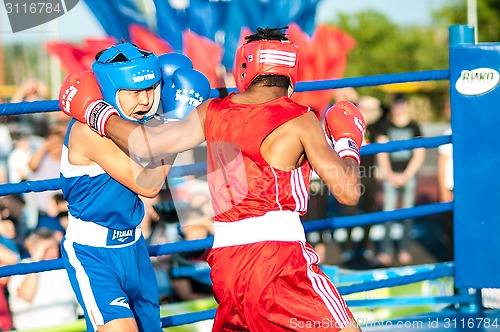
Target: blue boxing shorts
{"type": "Point", "coordinates": [111, 274]}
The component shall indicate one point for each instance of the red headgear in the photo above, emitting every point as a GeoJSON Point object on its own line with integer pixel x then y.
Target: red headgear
{"type": "Point", "coordinates": [265, 57]}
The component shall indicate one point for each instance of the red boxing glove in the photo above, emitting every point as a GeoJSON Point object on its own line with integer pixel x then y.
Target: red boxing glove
{"type": "Point", "coordinates": [345, 126]}
{"type": "Point", "coordinates": [81, 98]}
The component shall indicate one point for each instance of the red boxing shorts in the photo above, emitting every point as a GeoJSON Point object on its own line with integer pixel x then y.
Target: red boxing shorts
{"type": "Point", "coordinates": [274, 286]}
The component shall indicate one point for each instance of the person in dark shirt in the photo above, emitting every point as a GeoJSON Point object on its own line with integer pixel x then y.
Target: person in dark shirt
{"type": "Point", "coordinates": [399, 170]}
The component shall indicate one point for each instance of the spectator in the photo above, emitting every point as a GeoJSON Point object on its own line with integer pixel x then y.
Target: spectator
{"type": "Point", "coordinates": [45, 299]}
{"type": "Point", "coordinates": [30, 90]}
{"type": "Point", "coordinates": [18, 159]}
{"type": "Point", "coordinates": [56, 218]}
{"type": "Point", "coordinates": [12, 209]}
{"type": "Point", "coordinates": [399, 170]}
{"type": "Point", "coordinates": [446, 184]}
{"type": "Point", "coordinates": [5, 148]}
{"type": "Point", "coordinates": [9, 255]}
{"type": "Point", "coordinates": [45, 164]}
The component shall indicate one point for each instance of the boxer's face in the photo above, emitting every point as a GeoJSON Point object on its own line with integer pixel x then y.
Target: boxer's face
{"type": "Point", "coordinates": [136, 103]}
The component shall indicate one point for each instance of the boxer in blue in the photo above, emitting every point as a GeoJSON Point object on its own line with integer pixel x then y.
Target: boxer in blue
{"type": "Point", "coordinates": [103, 250]}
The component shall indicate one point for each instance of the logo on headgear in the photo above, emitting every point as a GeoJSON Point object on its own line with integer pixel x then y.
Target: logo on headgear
{"type": "Point", "coordinates": [146, 75]}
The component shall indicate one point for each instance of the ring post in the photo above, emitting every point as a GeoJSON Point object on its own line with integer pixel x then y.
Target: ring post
{"type": "Point", "coordinates": [474, 95]}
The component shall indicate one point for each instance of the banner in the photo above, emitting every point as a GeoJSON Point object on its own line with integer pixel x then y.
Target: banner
{"type": "Point", "coordinates": [115, 16]}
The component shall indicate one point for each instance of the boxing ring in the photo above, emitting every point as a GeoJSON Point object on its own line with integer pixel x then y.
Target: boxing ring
{"type": "Point", "coordinates": [474, 76]}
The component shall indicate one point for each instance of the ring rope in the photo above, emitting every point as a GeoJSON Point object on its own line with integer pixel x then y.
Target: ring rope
{"type": "Point", "coordinates": [314, 225]}
{"type": "Point", "coordinates": [410, 301]}
{"type": "Point", "coordinates": [428, 75]}
{"type": "Point", "coordinates": [201, 168]}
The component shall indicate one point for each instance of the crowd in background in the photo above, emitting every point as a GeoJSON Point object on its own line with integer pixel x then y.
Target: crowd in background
{"type": "Point", "coordinates": [33, 224]}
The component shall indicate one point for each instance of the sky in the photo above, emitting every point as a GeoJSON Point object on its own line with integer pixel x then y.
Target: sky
{"type": "Point", "coordinates": [79, 22]}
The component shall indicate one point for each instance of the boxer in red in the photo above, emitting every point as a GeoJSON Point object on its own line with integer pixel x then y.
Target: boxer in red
{"type": "Point", "coordinates": [262, 148]}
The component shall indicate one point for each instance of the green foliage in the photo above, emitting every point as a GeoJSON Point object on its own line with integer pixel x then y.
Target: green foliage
{"type": "Point", "coordinates": [385, 48]}
{"type": "Point", "coordinates": [488, 17]}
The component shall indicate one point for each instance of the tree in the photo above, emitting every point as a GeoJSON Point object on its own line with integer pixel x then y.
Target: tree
{"type": "Point", "coordinates": [385, 48]}
{"type": "Point", "coordinates": [488, 17]}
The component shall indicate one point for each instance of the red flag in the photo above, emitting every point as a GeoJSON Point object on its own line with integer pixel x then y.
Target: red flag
{"type": "Point", "coordinates": [95, 45]}
{"type": "Point", "coordinates": [69, 55]}
{"type": "Point", "coordinates": [206, 56]}
{"type": "Point", "coordinates": [306, 54]}
{"type": "Point", "coordinates": [245, 31]}
{"type": "Point", "coordinates": [335, 46]}
{"type": "Point", "coordinates": [147, 40]}
{"type": "Point", "coordinates": [75, 59]}
{"type": "Point", "coordinates": [324, 56]}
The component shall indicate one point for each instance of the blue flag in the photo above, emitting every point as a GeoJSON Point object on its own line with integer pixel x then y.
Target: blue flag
{"type": "Point", "coordinates": [115, 16]}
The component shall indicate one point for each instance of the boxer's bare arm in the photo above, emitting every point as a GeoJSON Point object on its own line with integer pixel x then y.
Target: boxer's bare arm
{"type": "Point", "coordinates": [340, 175]}
{"type": "Point", "coordinates": [88, 148]}
{"type": "Point", "coordinates": [145, 141]}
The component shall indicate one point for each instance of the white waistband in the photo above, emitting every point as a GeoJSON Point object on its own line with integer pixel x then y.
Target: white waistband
{"type": "Point", "coordinates": [273, 226]}
{"type": "Point", "coordinates": [92, 234]}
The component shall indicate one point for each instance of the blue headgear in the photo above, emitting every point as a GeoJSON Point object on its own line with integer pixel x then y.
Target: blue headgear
{"type": "Point", "coordinates": [141, 70]}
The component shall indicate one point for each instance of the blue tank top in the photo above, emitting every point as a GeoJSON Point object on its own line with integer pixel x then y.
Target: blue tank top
{"type": "Point", "coordinates": [93, 195]}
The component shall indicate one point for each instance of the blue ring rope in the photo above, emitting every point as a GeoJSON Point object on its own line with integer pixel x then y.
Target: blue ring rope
{"type": "Point", "coordinates": [410, 301]}
{"type": "Point", "coordinates": [201, 168]}
{"type": "Point", "coordinates": [188, 318]}
{"type": "Point", "coordinates": [314, 225]}
{"type": "Point", "coordinates": [438, 272]}
{"type": "Point", "coordinates": [428, 75]}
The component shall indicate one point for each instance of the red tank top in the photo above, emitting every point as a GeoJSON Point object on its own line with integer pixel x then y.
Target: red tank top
{"type": "Point", "coordinates": [242, 184]}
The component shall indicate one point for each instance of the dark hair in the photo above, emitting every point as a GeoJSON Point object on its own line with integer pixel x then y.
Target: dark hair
{"type": "Point", "coordinates": [59, 198]}
{"type": "Point", "coordinates": [272, 80]}
{"type": "Point", "coordinates": [269, 34]}
{"type": "Point", "coordinates": [399, 98]}
{"type": "Point", "coordinates": [43, 233]}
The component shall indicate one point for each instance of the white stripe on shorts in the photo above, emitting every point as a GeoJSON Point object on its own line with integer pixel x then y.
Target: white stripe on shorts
{"type": "Point", "coordinates": [323, 287]}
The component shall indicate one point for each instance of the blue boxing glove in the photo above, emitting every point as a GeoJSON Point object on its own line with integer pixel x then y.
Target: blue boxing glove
{"type": "Point", "coordinates": [170, 62]}
{"type": "Point", "coordinates": [188, 89]}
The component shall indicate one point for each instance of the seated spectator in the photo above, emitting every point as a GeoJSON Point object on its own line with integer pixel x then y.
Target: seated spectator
{"type": "Point", "coordinates": [5, 148]}
{"type": "Point", "coordinates": [45, 164]}
{"type": "Point", "coordinates": [45, 299]}
{"type": "Point", "coordinates": [9, 255]}
{"type": "Point", "coordinates": [32, 89]}
{"type": "Point", "coordinates": [12, 210]}
{"type": "Point", "coordinates": [56, 218]}
{"type": "Point", "coordinates": [18, 159]}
